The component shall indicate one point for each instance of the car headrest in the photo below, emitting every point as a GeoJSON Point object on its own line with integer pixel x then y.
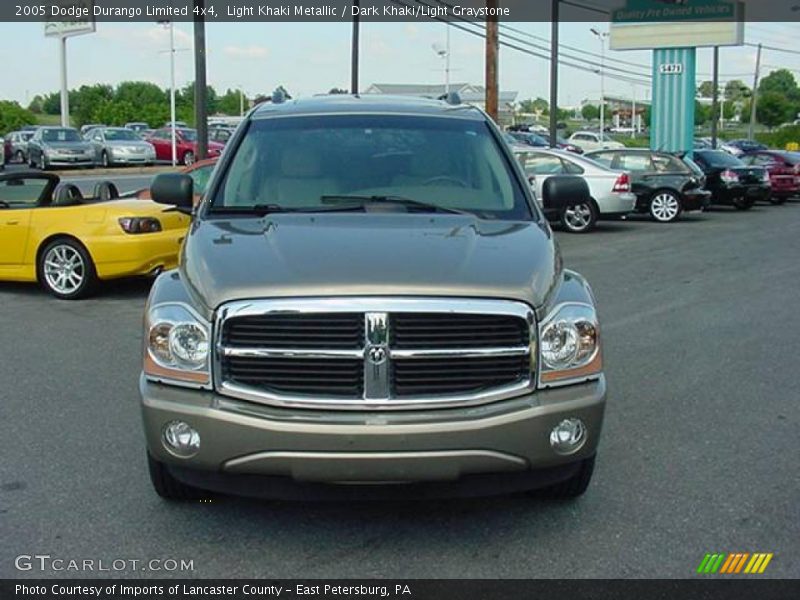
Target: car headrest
{"type": "Point", "coordinates": [67, 193]}
{"type": "Point", "coordinates": [105, 190]}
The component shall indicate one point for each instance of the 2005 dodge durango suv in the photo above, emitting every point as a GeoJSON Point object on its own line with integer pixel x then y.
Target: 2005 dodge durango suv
{"type": "Point", "coordinates": [369, 302]}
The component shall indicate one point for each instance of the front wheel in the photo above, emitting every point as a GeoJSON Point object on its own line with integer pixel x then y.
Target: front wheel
{"type": "Point", "coordinates": [66, 270]}
{"type": "Point", "coordinates": [743, 204]}
{"type": "Point", "coordinates": [665, 207]}
{"type": "Point", "coordinates": [188, 159]}
{"type": "Point", "coordinates": [104, 160]}
{"type": "Point", "coordinates": [168, 487]}
{"type": "Point", "coordinates": [777, 200]}
{"type": "Point", "coordinates": [579, 218]}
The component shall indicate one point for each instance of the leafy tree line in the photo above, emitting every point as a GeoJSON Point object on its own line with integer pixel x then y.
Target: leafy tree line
{"type": "Point", "coordinates": [134, 101]}
{"type": "Point", "coordinates": [778, 98]}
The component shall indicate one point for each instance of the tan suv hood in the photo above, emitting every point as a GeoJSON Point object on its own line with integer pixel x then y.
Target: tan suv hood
{"type": "Point", "coordinates": [369, 255]}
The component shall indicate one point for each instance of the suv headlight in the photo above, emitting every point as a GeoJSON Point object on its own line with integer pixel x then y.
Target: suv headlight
{"type": "Point", "coordinates": [569, 345]}
{"type": "Point", "coordinates": [176, 345]}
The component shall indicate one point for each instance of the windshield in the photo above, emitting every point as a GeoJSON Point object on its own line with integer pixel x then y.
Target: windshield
{"type": "Point", "coordinates": [119, 135]}
{"type": "Point", "coordinates": [60, 135]}
{"type": "Point", "coordinates": [718, 158]}
{"type": "Point", "coordinates": [449, 163]}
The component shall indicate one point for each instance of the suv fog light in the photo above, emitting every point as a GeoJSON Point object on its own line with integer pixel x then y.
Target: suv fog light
{"type": "Point", "coordinates": [568, 436]}
{"type": "Point", "coordinates": [181, 439]}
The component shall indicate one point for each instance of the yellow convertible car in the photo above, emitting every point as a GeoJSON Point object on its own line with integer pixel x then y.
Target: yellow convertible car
{"type": "Point", "coordinates": [51, 234]}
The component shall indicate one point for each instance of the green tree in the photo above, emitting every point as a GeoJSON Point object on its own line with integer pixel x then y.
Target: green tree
{"type": "Point", "coordinates": [230, 103]}
{"type": "Point", "coordinates": [773, 109]}
{"type": "Point", "coordinates": [590, 112]}
{"type": "Point", "coordinates": [702, 113]}
{"type": "Point", "coordinates": [37, 105]}
{"type": "Point", "coordinates": [13, 116]}
{"type": "Point", "coordinates": [736, 90]}
{"type": "Point", "coordinates": [85, 100]}
{"type": "Point", "coordinates": [140, 93]}
{"type": "Point", "coordinates": [706, 89]}
{"type": "Point", "coordinates": [51, 103]}
{"type": "Point", "coordinates": [780, 82]}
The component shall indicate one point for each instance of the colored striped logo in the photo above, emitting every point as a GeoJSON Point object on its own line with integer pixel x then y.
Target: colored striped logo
{"type": "Point", "coordinates": [734, 563]}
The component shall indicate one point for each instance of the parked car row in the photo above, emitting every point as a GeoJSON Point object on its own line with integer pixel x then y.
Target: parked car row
{"type": "Point", "coordinates": [659, 184]}
{"type": "Point", "coordinates": [48, 147]}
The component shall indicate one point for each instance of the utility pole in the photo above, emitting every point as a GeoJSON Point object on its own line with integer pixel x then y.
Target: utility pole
{"type": "Point", "coordinates": [554, 31]}
{"type": "Point", "coordinates": [241, 101]}
{"type": "Point", "coordinates": [754, 99]}
{"type": "Point", "coordinates": [64, 91]}
{"type": "Point", "coordinates": [715, 99]}
{"type": "Point", "coordinates": [492, 43]}
{"type": "Point", "coordinates": [200, 87]}
{"type": "Point", "coordinates": [171, 26]}
{"type": "Point", "coordinates": [602, 35]}
{"type": "Point", "coordinates": [633, 114]}
{"type": "Point", "coordinates": [354, 49]}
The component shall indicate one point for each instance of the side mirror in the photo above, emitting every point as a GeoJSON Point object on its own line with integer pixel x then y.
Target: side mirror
{"type": "Point", "coordinates": [175, 189]}
{"type": "Point", "coordinates": [561, 191]}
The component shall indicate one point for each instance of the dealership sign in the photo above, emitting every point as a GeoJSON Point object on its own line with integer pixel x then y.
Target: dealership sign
{"type": "Point", "coordinates": [649, 24]}
{"type": "Point", "coordinates": [77, 25]}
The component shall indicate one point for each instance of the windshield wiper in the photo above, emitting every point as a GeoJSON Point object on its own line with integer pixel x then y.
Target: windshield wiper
{"type": "Point", "coordinates": [407, 202]}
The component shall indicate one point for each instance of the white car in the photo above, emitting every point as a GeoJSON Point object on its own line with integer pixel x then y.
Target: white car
{"type": "Point", "coordinates": [593, 140]}
{"type": "Point", "coordinates": [611, 195]}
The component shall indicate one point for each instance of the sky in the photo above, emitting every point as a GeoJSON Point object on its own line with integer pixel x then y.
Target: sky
{"type": "Point", "coordinates": [311, 58]}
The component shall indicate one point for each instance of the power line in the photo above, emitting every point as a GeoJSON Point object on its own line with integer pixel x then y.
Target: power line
{"type": "Point", "coordinates": [481, 34]}
{"type": "Point", "coordinates": [775, 48]}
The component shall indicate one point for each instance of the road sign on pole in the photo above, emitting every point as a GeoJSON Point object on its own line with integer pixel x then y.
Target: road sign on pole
{"type": "Point", "coordinates": [63, 30]}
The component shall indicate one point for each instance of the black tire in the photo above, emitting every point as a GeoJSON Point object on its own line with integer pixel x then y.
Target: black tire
{"type": "Point", "coordinates": [104, 160]}
{"type": "Point", "coordinates": [574, 486]}
{"type": "Point", "coordinates": [665, 206]}
{"type": "Point", "coordinates": [777, 200]}
{"type": "Point", "coordinates": [580, 218]}
{"type": "Point", "coordinates": [84, 268]}
{"type": "Point", "coordinates": [45, 165]}
{"type": "Point", "coordinates": [743, 204]}
{"type": "Point", "coordinates": [188, 158]}
{"type": "Point", "coordinates": [31, 162]}
{"type": "Point", "coordinates": [170, 488]}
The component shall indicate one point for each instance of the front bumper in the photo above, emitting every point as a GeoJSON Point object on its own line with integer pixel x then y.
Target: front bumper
{"type": "Point", "coordinates": [246, 448]}
{"type": "Point", "coordinates": [132, 159]}
{"type": "Point", "coordinates": [69, 160]}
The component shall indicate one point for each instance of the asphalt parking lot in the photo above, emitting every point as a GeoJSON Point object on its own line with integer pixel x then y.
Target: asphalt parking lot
{"type": "Point", "coordinates": [699, 452]}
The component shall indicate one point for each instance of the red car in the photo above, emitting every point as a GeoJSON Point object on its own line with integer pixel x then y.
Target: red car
{"type": "Point", "coordinates": [783, 168]}
{"type": "Point", "coordinates": [186, 145]}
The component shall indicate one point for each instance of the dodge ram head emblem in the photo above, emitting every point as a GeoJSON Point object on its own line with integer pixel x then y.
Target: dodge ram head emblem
{"type": "Point", "coordinates": [376, 354]}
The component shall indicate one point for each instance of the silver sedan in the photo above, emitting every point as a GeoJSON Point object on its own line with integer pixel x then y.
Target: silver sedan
{"type": "Point", "coordinates": [611, 195]}
{"type": "Point", "coordinates": [120, 146]}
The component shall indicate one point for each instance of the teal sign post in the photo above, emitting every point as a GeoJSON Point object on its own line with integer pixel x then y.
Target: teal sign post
{"type": "Point", "coordinates": [672, 113]}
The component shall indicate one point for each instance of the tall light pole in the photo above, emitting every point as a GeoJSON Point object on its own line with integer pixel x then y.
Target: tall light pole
{"type": "Point", "coordinates": [602, 35]}
{"type": "Point", "coordinates": [444, 54]}
{"type": "Point", "coordinates": [172, 115]}
{"type": "Point", "coordinates": [241, 101]}
{"type": "Point", "coordinates": [354, 48]}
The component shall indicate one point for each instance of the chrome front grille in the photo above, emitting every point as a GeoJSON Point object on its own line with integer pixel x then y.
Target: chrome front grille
{"type": "Point", "coordinates": [374, 353]}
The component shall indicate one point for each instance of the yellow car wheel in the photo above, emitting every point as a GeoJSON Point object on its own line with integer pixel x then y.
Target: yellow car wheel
{"type": "Point", "coordinates": [66, 270]}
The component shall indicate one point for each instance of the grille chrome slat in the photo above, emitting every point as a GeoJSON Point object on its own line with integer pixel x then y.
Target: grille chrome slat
{"type": "Point", "coordinates": [374, 353]}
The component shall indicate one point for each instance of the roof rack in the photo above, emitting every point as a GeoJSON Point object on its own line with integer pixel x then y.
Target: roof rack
{"type": "Point", "coordinates": [451, 98]}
